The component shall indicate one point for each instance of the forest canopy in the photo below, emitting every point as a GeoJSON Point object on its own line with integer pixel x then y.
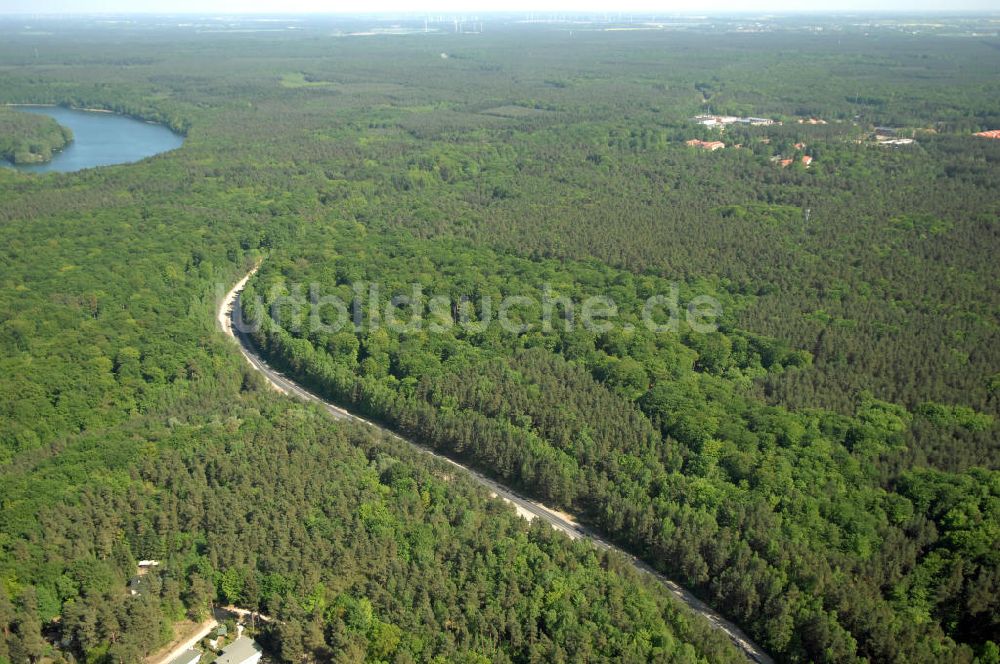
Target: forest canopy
{"type": "Point", "coordinates": [27, 138]}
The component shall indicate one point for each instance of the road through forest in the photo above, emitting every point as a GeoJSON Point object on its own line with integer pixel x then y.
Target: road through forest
{"type": "Point", "coordinates": [227, 316]}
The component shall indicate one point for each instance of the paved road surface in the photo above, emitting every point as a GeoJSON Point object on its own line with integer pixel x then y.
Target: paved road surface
{"type": "Point", "coordinates": [229, 320]}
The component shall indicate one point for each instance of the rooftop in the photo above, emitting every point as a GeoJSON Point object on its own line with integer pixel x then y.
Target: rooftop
{"type": "Point", "coordinates": [189, 656]}
{"type": "Point", "coordinates": [714, 120]}
{"type": "Point", "coordinates": [239, 651]}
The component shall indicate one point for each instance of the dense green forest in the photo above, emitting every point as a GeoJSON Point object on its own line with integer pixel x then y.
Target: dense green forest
{"type": "Point", "coordinates": [26, 138]}
{"type": "Point", "coordinates": [360, 548]}
{"type": "Point", "coordinates": [823, 469]}
{"type": "Point", "coordinates": [656, 438]}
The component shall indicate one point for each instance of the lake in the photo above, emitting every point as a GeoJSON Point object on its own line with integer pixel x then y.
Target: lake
{"type": "Point", "coordinates": [100, 139]}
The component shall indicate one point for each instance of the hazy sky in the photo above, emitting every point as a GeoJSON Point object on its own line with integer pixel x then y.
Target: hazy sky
{"type": "Point", "coordinates": [467, 6]}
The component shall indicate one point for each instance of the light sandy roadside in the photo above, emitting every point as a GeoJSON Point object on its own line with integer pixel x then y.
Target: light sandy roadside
{"type": "Point", "coordinates": [225, 318]}
{"type": "Point", "coordinates": [225, 311]}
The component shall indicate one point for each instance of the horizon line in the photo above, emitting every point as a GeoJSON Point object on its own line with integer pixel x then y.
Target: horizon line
{"type": "Point", "coordinates": [508, 12]}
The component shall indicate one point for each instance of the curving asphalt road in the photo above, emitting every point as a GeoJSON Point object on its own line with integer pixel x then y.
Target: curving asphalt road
{"type": "Point", "coordinates": [529, 509]}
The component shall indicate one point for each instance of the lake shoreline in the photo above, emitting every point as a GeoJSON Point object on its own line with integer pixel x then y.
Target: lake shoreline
{"type": "Point", "coordinates": [72, 108]}
{"type": "Point", "coordinates": [101, 137]}
{"type": "Point", "coordinates": [97, 110]}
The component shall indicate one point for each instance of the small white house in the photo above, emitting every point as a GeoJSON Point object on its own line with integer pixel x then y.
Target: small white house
{"type": "Point", "coordinates": [221, 632]}
{"type": "Point", "coordinates": [243, 650]}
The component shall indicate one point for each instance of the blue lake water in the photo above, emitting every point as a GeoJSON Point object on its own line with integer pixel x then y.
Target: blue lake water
{"type": "Point", "coordinates": [100, 139]}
